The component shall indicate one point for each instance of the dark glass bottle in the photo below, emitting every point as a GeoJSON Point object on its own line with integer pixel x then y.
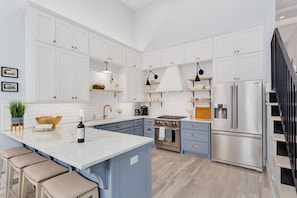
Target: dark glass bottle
{"type": "Point", "coordinates": [80, 132]}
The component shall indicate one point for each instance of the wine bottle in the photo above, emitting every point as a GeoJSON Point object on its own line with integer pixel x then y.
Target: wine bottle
{"type": "Point", "coordinates": [80, 132]}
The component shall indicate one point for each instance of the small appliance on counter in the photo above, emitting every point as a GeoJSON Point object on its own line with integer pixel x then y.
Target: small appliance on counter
{"type": "Point", "coordinates": [137, 112]}
{"type": "Point", "coordinates": [144, 110]}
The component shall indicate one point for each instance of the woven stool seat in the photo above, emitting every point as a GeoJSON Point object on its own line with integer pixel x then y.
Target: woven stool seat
{"type": "Point", "coordinates": [38, 173]}
{"type": "Point", "coordinates": [12, 152]}
{"type": "Point", "coordinates": [69, 185]}
{"type": "Point", "coordinates": [16, 165]}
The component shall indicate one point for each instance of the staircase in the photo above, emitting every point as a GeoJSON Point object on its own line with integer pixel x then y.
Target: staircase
{"type": "Point", "coordinates": [284, 182]}
{"type": "Point", "coordinates": [282, 109]}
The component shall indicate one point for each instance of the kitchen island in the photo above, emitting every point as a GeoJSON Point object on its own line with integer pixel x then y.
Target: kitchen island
{"type": "Point", "coordinates": [119, 163]}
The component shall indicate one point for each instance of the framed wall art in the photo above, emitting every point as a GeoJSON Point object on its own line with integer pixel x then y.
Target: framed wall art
{"type": "Point", "coordinates": [9, 87]}
{"type": "Point", "coordinates": [9, 72]}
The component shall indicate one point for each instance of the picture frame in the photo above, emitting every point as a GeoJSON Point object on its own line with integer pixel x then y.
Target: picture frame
{"type": "Point", "coordinates": [9, 72]}
{"type": "Point", "coordinates": [9, 86]}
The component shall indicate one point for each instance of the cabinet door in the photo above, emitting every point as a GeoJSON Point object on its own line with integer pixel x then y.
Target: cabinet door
{"type": "Point", "coordinates": [166, 57]}
{"type": "Point", "coordinates": [250, 40]}
{"type": "Point", "coordinates": [224, 69]}
{"type": "Point", "coordinates": [80, 81]}
{"type": "Point", "coordinates": [250, 66]}
{"type": "Point", "coordinates": [205, 49]}
{"type": "Point", "coordinates": [178, 54]}
{"type": "Point", "coordinates": [225, 45]}
{"type": "Point", "coordinates": [191, 52]}
{"type": "Point", "coordinates": [65, 35]}
{"type": "Point", "coordinates": [44, 27]}
{"type": "Point", "coordinates": [151, 60]}
{"type": "Point", "coordinates": [98, 47]}
{"type": "Point", "coordinates": [65, 70]}
{"type": "Point", "coordinates": [117, 53]}
{"type": "Point", "coordinates": [133, 59]}
{"type": "Point", "coordinates": [44, 72]}
{"type": "Point", "coordinates": [81, 40]}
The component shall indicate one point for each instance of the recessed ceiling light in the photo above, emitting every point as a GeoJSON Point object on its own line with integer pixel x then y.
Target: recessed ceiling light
{"type": "Point", "coordinates": [281, 17]}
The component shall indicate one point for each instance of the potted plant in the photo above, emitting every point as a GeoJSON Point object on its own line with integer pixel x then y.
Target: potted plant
{"type": "Point", "coordinates": [17, 111]}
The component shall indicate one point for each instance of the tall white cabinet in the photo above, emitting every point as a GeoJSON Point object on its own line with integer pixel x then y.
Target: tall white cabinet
{"type": "Point", "coordinates": [238, 56]}
{"type": "Point", "coordinates": [57, 59]}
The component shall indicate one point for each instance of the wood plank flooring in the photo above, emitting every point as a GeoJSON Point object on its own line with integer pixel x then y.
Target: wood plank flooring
{"type": "Point", "coordinates": [175, 175]}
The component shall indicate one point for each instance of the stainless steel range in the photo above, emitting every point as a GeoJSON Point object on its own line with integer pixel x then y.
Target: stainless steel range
{"type": "Point", "coordinates": [167, 132]}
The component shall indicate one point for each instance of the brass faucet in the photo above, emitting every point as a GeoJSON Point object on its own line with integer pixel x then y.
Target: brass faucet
{"type": "Point", "coordinates": [110, 109]}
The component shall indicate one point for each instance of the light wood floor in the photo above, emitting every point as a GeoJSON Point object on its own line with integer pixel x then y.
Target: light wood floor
{"type": "Point", "coordinates": [175, 175]}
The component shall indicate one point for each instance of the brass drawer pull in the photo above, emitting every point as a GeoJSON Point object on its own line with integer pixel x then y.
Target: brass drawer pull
{"type": "Point", "coordinates": [118, 126]}
{"type": "Point", "coordinates": [149, 129]}
{"type": "Point", "coordinates": [194, 146]}
{"type": "Point", "coordinates": [194, 135]}
{"type": "Point", "coordinates": [194, 126]}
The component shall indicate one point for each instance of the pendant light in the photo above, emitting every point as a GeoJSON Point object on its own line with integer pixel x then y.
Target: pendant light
{"type": "Point", "coordinates": [201, 72]}
{"type": "Point", "coordinates": [106, 71]}
{"type": "Point", "coordinates": [148, 83]}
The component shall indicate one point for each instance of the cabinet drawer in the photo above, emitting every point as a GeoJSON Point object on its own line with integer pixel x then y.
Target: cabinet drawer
{"type": "Point", "coordinates": [195, 125]}
{"type": "Point", "coordinates": [149, 130]}
{"type": "Point", "coordinates": [148, 121]}
{"type": "Point", "coordinates": [195, 147]}
{"type": "Point", "coordinates": [126, 130]}
{"type": "Point", "coordinates": [194, 135]}
{"type": "Point", "coordinates": [138, 131]}
{"type": "Point", "coordinates": [138, 122]}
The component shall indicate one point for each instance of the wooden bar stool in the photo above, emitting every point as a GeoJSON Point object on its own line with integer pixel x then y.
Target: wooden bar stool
{"type": "Point", "coordinates": [38, 173]}
{"type": "Point", "coordinates": [17, 164]}
{"type": "Point", "coordinates": [69, 185]}
{"type": "Point", "coordinates": [5, 156]}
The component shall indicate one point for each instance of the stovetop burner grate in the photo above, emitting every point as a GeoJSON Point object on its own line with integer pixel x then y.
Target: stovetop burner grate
{"type": "Point", "coordinates": [171, 117]}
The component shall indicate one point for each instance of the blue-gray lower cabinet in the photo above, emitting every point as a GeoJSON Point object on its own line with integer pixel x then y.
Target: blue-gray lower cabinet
{"type": "Point", "coordinates": [195, 138]}
{"type": "Point", "coordinates": [138, 127]}
{"type": "Point", "coordinates": [127, 175]}
{"type": "Point", "coordinates": [122, 127]}
{"type": "Point", "coordinates": [149, 128]}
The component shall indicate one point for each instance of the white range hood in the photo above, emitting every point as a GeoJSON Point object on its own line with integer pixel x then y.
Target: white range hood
{"type": "Point", "coordinates": [172, 80]}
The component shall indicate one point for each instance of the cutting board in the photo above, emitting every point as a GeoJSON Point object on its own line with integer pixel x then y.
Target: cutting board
{"type": "Point", "coordinates": [203, 113]}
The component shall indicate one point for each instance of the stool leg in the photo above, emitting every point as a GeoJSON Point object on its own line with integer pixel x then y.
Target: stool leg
{"type": "Point", "coordinates": [96, 193]}
{"type": "Point", "coordinates": [24, 186]}
{"type": "Point", "coordinates": [9, 181]}
{"type": "Point", "coordinates": [38, 190]}
{"type": "Point", "coordinates": [7, 175]}
{"type": "Point", "coordinates": [1, 172]}
{"type": "Point", "coordinates": [20, 184]}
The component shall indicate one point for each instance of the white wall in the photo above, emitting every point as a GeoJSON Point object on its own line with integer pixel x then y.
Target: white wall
{"type": "Point", "coordinates": [169, 22]}
{"type": "Point", "coordinates": [109, 17]}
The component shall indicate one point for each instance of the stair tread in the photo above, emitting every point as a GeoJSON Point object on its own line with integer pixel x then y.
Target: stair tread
{"type": "Point", "coordinates": [286, 191]}
{"type": "Point", "coordinates": [275, 118]}
{"type": "Point", "coordinates": [271, 103]}
{"type": "Point", "coordinates": [278, 137]}
{"type": "Point", "coordinates": [282, 161]}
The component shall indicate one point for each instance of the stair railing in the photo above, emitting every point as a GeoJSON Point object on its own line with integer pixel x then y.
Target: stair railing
{"type": "Point", "coordinates": [284, 82]}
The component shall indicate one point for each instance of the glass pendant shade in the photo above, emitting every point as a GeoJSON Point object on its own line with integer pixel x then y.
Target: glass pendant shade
{"type": "Point", "coordinates": [106, 71]}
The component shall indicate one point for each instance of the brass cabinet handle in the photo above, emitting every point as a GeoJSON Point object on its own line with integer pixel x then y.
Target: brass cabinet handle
{"type": "Point", "coordinates": [54, 41]}
{"type": "Point", "coordinates": [149, 129]}
{"type": "Point", "coordinates": [194, 146]}
{"type": "Point", "coordinates": [118, 126]}
{"type": "Point", "coordinates": [237, 51]}
{"type": "Point", "coordinates": [55, 97]}
{"type": "Point", "coordinates": [138, 122]}
{"type": "Point", "coordinates": [194, 135]}
{"type": "Point", "coordinates": [75, 97]}
{"type": "Point", "coordinates": [194, 126]}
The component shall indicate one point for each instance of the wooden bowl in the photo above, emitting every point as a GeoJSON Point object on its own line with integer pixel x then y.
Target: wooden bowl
{"type": "Point", "coordinates": [49, 120]}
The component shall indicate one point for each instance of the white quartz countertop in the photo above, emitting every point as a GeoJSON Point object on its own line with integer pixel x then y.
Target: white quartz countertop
{"type": "Point", "coordinates": [196, 120]}
{"type": "Point", "coordinates": [99, 145]}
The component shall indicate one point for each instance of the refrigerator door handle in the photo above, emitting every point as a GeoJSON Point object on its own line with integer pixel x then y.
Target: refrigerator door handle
{"type": "Point", "coordinates": [236, 134]}
{"type": "Point", "coordinates": [236, 107]}
{"type": "Point", "coordinates": [231, 109]}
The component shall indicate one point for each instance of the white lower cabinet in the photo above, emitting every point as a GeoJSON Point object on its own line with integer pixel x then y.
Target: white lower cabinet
{"type": "Point", "coordinates": [57, 75]}
{"type": "Point", "coordinates": [243, 67]}
{"type": "Point", "coordinates": [132, 84]}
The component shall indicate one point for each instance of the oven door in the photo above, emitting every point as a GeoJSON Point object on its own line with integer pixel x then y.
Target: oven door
{"type": "Point", "coordinates": [167, 138]}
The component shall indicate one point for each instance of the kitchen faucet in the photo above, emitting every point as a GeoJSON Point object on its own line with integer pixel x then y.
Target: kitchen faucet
{"type": "Point", "coordinates": [110, 109]}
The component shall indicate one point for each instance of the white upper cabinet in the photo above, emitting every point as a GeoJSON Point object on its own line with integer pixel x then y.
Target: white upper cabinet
{"type": "Point", "coordinates": [198, 51]}
{"type": "Point", "coordinates": [245, 41]}
{"type": "Point", "coordinates": [44, 27]}
{"type": "Point", "coordinates": [151, 60]}
{"type": "Point", "coordinates": [72, 37]}
{"type": "Point", "coordinates": [172, 56]}
{"type": "Point", "coordinates": [243, 67]}
{"type": "Point", "coordinates": [102, 48]}
{"type": "Point", "coordinates": [133, 59]}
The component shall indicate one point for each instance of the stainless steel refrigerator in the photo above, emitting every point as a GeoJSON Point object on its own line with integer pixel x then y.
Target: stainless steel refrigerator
{"type": "Point", "coordinates": [237, 124]}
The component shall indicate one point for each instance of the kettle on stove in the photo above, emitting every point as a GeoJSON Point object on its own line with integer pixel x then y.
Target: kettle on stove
{"type": "Point", "coordinates": [144, 110]}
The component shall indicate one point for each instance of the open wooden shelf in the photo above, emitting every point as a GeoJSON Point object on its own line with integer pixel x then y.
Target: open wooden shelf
{"type": "Point", "coordinates": [197, 90]}
{"type": "Point", "coordinates": [152, 92]}
{"type": "Point", "coordinates": [201, 78]}
{"type": "Point", "coordinates": [105, 90]}
{"type": "Point", "coordinates": [200, 101]}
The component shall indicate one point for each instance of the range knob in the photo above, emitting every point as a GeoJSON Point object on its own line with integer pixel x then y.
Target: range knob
{"type": "Point", "coordinates": [166, 123]}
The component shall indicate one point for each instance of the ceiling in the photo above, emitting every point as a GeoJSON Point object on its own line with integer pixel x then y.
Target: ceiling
{"type": "Point", "coordinates": [137, 4]}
